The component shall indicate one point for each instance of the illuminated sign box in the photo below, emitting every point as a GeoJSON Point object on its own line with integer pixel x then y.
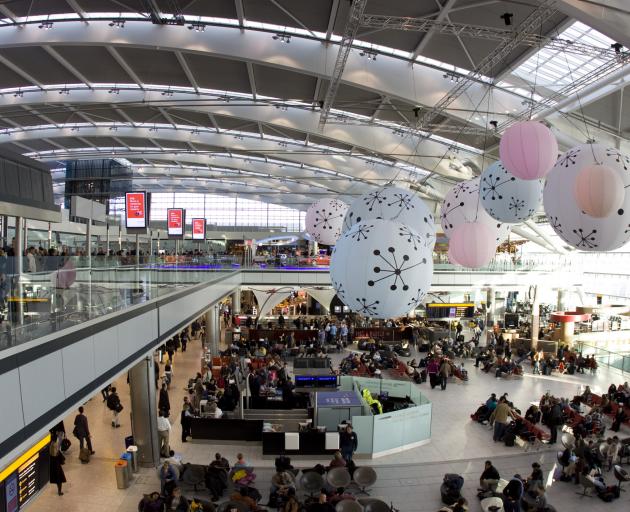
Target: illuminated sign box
{"type": "Point", "coordinates": [175, 222]}
{"type": "Point", "coordinates": [136, 210]}
{"type": "Point", "coordinates": [199, 229]}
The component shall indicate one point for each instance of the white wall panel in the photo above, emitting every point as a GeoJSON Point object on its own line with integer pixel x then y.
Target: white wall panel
{"type": "Point", "coordinates": [42, 385]}
{"type": "Point", "coordinates": [12, 416]}
{"type": "Point", "coordinates": [78, 365]}
{"type": "Point", "coordinates": [105, 350]}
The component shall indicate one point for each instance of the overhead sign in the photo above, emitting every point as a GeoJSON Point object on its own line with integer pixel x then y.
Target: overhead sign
{"type": "Point", "coordinates": [199, 229]}
{"type": "Point", "coordinates": [175, 219]}
{"type": "Point", "coordinates": [136, 210]}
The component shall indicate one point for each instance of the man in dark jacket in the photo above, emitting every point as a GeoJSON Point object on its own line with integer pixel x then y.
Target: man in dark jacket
{"type": "Point", "coordinates": [114, 405]}
{"type": "Point", "coordinates": [555, 420]}
{"type": "Point", "coordinates": [348, 443]}
{"type": "Point", "coordinates": [82, 430]}
{"type": "Point", "coordinates": [164, 403]}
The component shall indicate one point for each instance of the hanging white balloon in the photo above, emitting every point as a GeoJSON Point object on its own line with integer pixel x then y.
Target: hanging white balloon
{"type": "Point", "coordinates": [381, 268]}
{"type": "Point", "coordinates": [565, 216]}
{"type": "Point", "coordinates": [462, 204]}
{"type": "Point", "coordinates": [396, 204]}
{"type": "Point", "coordinates": [507, 198]}
{"type": "Point", "coordinates": [324, 220]}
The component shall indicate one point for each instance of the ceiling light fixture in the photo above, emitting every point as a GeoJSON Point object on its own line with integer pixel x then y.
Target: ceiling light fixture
{"type": "Point", "coordinates": [453, 77]}
{"type": "Point", "coordinates": [117, 23]}
{"type": "Point", "coordinates": [284, 38]}
{"type": "Point", "coordinates": [168, 92]}
{"type": "Point", "coordinates": [46, 25]}
{"type": "Point", "coordinates": [369, 54]}
{"type": "Point", "coordinates": [18, 94]}
{"type": "Point", "coordinates": [197, 26]}
{"type": "Point", "coordinates": [65, 90]}
{"type": "Point", "coordinates": [114, 90]}
{"type": "Point", "coordinates": [507, 18]}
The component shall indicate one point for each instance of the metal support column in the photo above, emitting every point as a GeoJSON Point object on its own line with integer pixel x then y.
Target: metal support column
{"type": "Point", "coordinates": [535, 317]}
{"type": "Point", "coordinates": [236, 301]}
{"type": "Point", "coordinates": [561, 305]}
{"type": "Point", "coordinates": [213, 330]}
{"type": "Point", "coordinates": [19, 267]}
{"type": "Point", "coordinates": [144, 412]}
{"type": "Point", "coordinates": [137, 250]}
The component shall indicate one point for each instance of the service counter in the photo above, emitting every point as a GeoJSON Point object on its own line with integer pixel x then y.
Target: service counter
{"type": "Point", "coordinates": [311, 442]}
{"type": "Point", "coordinates": [226, 429]}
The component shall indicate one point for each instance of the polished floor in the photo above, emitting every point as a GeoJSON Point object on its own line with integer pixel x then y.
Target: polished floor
{"type": "Point", "coordinates": [410, 479]}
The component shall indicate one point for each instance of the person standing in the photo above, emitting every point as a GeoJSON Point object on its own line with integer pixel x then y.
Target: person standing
{"type": "Point", "coordinates": [164, 403]}
{"type": "Point", "coordinates": [82, 430]}
{"type": "Point", "coordinates": [114, 405]}
{"type": "Point", "coordinates": [555, 420]}
{"type": "Point", "coordinates": [164, 431]}
{"type": "Point", "coordinates": [57, 476]}
{"type": "Point", "coordinates": [501, 416]}
{"type": "Point", "coordinates": [348, 443]}
{"type": "Point", "coordinates": [186, 414]}
{"type": "Point", "coordinates": [445, 369]}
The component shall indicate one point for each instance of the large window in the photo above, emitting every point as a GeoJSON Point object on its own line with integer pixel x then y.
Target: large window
{"type": "Point", "coordinates": [220, 210]}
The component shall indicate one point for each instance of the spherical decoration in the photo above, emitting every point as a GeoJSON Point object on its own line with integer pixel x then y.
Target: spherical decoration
{"type": "Point", "coordinates": [381, 268]}
{"type": "Point", "coordinates": [528, 150]}
{"type": "Point", "coordinates": [396, 204]}
{"type": "Point", "coordinates": [472, 245]}
{"type": "Point", "coordinates": [599, 190]}
{"type": "Point", "coordinates": [462, 204]}
{"type": "Point", "coordinates": [324, 220]}
{"type": "Point", "coordinates": [451, 258]}
{"type": "Point", "coordinates": [507, 198]}
{"type": "Point", "coordinates": [567, 219]}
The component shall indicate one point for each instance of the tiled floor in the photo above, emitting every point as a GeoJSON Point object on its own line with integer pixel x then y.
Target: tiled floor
{"type": "Point", "coordinates": [410, 480]}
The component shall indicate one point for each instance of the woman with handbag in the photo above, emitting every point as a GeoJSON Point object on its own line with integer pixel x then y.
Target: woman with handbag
{"type": "Point", "coordinates": [57, 476]}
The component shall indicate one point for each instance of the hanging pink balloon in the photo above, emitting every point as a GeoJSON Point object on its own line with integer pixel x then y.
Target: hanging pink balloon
{"type": "Point", "coordinates": [472, 244]}
{"type": "Point", "coordinates": [599, 190]}
{"type": "Point", "coordinates": [450, 257]}
{"type": "Point", "coordinates": [528, 150]}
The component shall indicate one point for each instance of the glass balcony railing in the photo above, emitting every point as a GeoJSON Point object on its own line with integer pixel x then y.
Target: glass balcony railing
{"type": "Point", "coordinates": [606, 357]}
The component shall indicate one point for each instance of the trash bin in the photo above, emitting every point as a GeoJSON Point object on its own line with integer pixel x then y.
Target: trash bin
{"type": "Point", "coordinates": [133, 451]}
{"type": "Point", "coordinates": [129, 441]}
{"type": "Point", "coordinates": [122, 481]}
{"type": "Point", "coordinates": [127, 458]}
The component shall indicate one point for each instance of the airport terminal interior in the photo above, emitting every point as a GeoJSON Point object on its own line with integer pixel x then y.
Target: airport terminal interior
{"type": "Point", "coordinates": [314, 255]}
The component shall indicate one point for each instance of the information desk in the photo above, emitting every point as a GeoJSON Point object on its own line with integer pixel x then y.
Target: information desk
{"type": "Point", "coordinates": [226, 429]}
{"type": "Point", "coordinates": [311, 443]}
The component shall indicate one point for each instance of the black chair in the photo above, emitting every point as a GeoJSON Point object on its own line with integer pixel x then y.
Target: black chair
{"type": "Point", "coordinates": [311, 482]}
{"type": "Point", "coordinates": [195, 475]}
{"type": "Point", "coordinates": [364, 477]}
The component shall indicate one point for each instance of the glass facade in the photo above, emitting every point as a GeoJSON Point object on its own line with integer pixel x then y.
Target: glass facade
{"type": "Point", "coordinates": [220, 210]}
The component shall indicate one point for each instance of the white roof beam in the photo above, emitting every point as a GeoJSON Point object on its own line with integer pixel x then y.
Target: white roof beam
{"type": "Point", "coordinates": [123, 64]}
{"type": "Point", "coordinates": [77, 8]}
{"type": "Point", "coordinates": [252, 81]}
{"type": "Point", "coordinates": [388, 75]}
{"type": "Point", "coordinates": [20, 72]}
{"type": "Point", "coordinates": [377, 139]}
{"type": "Point", "coordinates": [240, 12]}
{"type": "Point", "coordinates": [331, 19]}
{"type": "Point", "coordinates": [187, 71]}
{"type": "Point", "coordinates": [426, 39]}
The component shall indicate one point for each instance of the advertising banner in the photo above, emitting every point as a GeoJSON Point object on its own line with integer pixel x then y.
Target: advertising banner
{"type": "Point", "coordinates": [136, 210]}
{"type": "Point", "coordinates": [199, 229]}
{"type": "Point", "coordinates": [175, 219]}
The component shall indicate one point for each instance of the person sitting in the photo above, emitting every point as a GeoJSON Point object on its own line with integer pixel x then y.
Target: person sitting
{"type": "Point", "coordinates": [533, 414]}
{"type": "Point", "coordinates": [537, 477]}
{"type": "Point", "coordinates": [176, 502]}
{"type": "Point", "coordinates": [492, 402]}
{"type": "Point", "coordinates": [489, 478]}
{"type": "Point", "coordinates": [322, 504]}
{"type": "Point", "coordinates": [242, 471]}
{"type": "Point", "coordinates": [337, 461]}
{"type": "Point", "coordinates": [220, 462]}
{"type": "Point", "coordinates": [151, 503]}
{"type": "Point", "coordinates": [291, 504]}
{"type": "Point", "coordinates": [587, 395]}
{"type": "Point", "coordinates": [241, 496]}
{"type": "Point", "coordinates": [512, 494]}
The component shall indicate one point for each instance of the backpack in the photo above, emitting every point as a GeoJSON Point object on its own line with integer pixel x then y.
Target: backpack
{"type": "Point", "coordinates": [65, 444]}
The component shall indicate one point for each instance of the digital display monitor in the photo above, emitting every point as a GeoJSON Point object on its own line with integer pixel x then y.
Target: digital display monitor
{"type": "Point", "coordinates": [136, 210]}
{"type": "Point", "coordinates": [175, 221]}
{"type": "Point", "coordinates": [199, 229]}
{"type": "Point", "coordinates": [316, 381]}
